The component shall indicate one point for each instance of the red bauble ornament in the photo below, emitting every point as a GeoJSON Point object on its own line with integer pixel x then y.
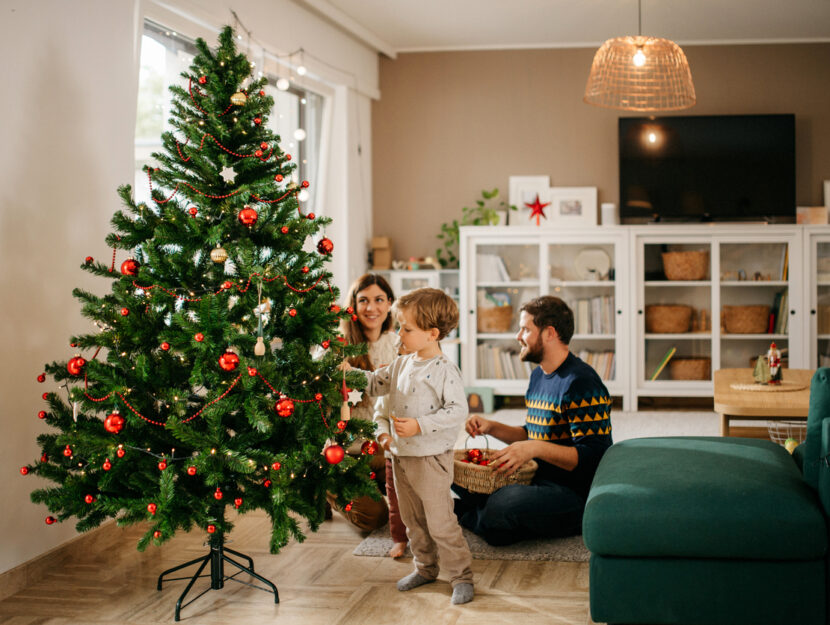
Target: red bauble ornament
{"type": "Point", "coordinates": [262, 92]}
{"type": "Point", "coordinates": [217, 494]}
{"type": "Point", "coordinates": [44, 458]}
{"type": "Point", "coordinates": [193, 211]}
{"type": "Point", "coordinates": [125, 312]}
{"type": "Point", "coordinates": [130, 267]}
{"type": "Point", "coordinates": [284, 229]}
{"type": "Point", "coordinates": [67, 451]}
{"type": "Point", "coordinates": [348, 506]}
{"type": "Point", "coordinates": [292, 312]}
{"type": "Point", "coordinates": [257, 120]}
{"type": "Point", "coordinates": [318, 396]}
{"type": "Point", "coordinates": [237, 502]}
{"type": "Point", "coordinates": [267, 483]}
{"type": "Point", "coordinates": [211, 529]}
{"type": "Point", "coordinates": [228, 361]}
{"type": "Point", "coordinates": [334, 454]}
{"type": "Point", "coordinates": [151, 508]}
{"type": "Point", "coordinates": [199, 337]}
{"type": "Point", "coordinates": [288, 157]}
{"type": "Point", "coordinates": [107, 465]}
{"type": "Point", "coordinates": [120, 452]}
{"type": "Point", "coordinates": [354, 317]}
{"type": "Point", "coordinates": [341, 425]}
{"type": "Point", "coordinates": [45, 396]}
{"type": "Point", "coordinates": [227, 284]}
{"type": "Point", "coordinates": [157, 534]}
{"type": "Point", "coordinates": [114, 423]}
{"type": "Point", "coordinates": [350, 310]}
{"type": "Point", "coordinates": [76, 365]}
{"type": "Point", "coordinates": [284, 407]}
{"type": "Point", "coordinates": [310, 216]}
{"type": "Point", "coordinates": [278, 178]}
{"type": "Point", "coordinates": [165, 346]}
{"type": "Point", "coordinates": [263, 145]}
{"type": "Point", "coordinates": [89, 499]}
{"type": "Point", "coordinates": [369, 448]}
{"type": "Point", "coordinates": [326, 344]}
{"type": "Point", "coordinates": [191, 470]}
{"type": "Point", "coordinates": [248, 216]}
{"type": "Point", "coordinates": [41, 414]}
{"type": "Point", "coordinates": [41, 378]}
{"type": "Point", "coordinates": [88, 259]}
{"type": "Point", "coordinates": [305, 270]}
{"type": "Point", "coordinates": [258, 153]}
{"type": "Point", "coordinates": [202, 80]}
{"type": "Point", "coordinates": [50, 520]}
{"type": "Point", "coordinates": [24, 470]}
{"type": "Point", "coordinates": [334, 308]}
{"type": "Point", "coordinates": [305, 184]}
{"type": "Point", "coordinates": [252, 371]}
{"type": "Point", "coordinates": [372, 475]}
{"type": "Point", "coordinates": [162, 465]}
{"type": "Point", "coordinates": [276, 466]}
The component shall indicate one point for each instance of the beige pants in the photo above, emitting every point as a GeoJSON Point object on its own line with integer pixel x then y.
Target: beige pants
{"type": "Point", "coordinates": [423, 487]}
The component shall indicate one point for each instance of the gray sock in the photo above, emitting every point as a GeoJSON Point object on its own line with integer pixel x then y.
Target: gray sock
{"type": "Point", "coordinates": [413, 580]}
{"type": "Point", "coordinates": [462, 593]}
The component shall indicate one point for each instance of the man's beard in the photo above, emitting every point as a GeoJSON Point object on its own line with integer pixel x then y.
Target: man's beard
{"type": "Point", "coordinates": [533, 353]}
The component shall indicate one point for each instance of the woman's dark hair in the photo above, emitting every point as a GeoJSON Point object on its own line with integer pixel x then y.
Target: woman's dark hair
{"type": "Point", "coordinates": [551, 311]}
{"type": "Point", "coordinates": [352, 330]}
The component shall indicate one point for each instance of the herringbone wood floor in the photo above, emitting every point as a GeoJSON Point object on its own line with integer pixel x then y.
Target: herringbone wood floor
{"type": "Point", "coordinates": [320, 582]}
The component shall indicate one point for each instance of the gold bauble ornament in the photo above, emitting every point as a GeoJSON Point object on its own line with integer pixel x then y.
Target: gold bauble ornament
{"type": "Point", "coordinates": [219, 254]}
{"type": "Point", "coordinates": [239, 98]}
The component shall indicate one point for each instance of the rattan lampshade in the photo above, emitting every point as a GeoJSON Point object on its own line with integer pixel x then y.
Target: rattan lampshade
{"type": "Point", "coordinates": [662, 83]}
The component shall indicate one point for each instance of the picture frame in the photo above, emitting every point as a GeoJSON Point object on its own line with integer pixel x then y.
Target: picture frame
{"type": "Point", "coordinates": [573, 206]}
{"type": "Point", "coordinates": [523, 191]}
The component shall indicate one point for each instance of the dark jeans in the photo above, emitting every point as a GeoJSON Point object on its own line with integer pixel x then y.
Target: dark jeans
{"type": "Point", "coordinates": [517, 512]}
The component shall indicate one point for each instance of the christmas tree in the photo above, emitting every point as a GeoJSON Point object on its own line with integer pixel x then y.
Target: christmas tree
{"type": "Point", "coordinates": [211, 380]}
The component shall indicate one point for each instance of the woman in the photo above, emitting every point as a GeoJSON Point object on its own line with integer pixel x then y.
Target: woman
{"type": "Point", "coordinates": [371, 297]}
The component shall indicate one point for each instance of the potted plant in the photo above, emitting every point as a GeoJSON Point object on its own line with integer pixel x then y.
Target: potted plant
{"type": "Point", "coordinates": [489, 210]}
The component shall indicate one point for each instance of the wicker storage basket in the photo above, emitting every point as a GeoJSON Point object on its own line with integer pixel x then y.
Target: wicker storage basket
{"type": "Point", "coordinates": [690, 265]}
{"type": "Point", "coordinates": [690, 368]}
{"type": "Point", "coordinates": [484, 479]}
{"type": "Point", "coordinates": [745, 319]}
{"type": "Point", "coordinates": [668, 318]}
{"type": "Point", "coordinates": [494, 319]}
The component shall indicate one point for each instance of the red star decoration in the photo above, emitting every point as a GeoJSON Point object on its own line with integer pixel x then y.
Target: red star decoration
{"type": "Point", "coordinates": [537, 209]}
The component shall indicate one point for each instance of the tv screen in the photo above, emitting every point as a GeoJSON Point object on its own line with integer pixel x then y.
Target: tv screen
{"type": "Point", "coordinates": [707, 168]}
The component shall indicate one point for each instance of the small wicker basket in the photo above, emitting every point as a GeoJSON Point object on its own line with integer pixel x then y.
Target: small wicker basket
{"type": "Point", "coordinates": [668, 318]}
{"type": "Point", "coordinates": [780, 431]}
{"type": "Point", "coordinates": [688, 265]}
{"type": "Point", "coordinates": [690, 368]}
{"type": "Point", "coordinates": [484, 479]}
{"type": "Point", "coordinates": [494, 319]}
{"type": "Point", "coordinates": [745, 319]}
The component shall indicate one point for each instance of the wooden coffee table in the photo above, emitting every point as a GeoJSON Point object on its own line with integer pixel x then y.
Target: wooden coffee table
{"type": "Point", "coordinates": [735, 405]}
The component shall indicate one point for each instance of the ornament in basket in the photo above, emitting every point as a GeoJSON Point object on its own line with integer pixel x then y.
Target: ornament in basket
{"type": "Point", "coordinates": [474, 472]}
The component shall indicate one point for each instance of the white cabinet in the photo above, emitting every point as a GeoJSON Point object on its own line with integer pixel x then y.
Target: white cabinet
{"type": "Point", "coordinates": [504, 267]}
{"type": "Point", "coordinates": [817, 263]}
{"type": "Point", "coordinates": [744, 299]}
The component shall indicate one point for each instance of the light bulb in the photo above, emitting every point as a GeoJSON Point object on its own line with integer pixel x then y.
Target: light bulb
{"type": "Point", "coordinates": [303, 195]}
{"type": "Point", "coordinates": [301, 70]}
{"type": "Point", "coordinates": [639, 57]}
{"type": "Point", "coordinates": [652, 137]}
{"type": "Point", "coordinates": [283, 84]}
{"type": "Point", "coordinates": [299, 134]}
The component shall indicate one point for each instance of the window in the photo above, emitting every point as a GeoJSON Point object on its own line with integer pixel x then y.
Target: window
{"type": "Point", "coordinates": [296, 117]}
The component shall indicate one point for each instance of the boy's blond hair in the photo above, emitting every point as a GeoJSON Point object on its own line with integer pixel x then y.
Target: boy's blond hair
{"type": "Point", "coordinates": [431, 308]}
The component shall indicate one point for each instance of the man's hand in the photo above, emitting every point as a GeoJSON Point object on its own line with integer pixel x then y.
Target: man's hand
{"type": "Point", "coordinates": [385, 441]}
{"type": "Point", "coordinates": [509, 459]}
{"type": "Point", "coordinates": [406, 427]}
{"type": "Point", "coordinates": [477, 425]}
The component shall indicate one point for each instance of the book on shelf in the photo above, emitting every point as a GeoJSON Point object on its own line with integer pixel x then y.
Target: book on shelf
{"type": "Point", "coordinates": [785, 262]}
{"type": "Point", "coordinates": [491, 268]}
{"type": "Point", "coordinates": [666, 358]}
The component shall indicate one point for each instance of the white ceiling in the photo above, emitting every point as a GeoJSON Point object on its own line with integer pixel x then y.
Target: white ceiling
{"type": "Point", "coordinates": [393, 26]}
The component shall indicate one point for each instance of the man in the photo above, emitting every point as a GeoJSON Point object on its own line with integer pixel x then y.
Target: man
{"type": "Point", "coordinates": [567, 430]}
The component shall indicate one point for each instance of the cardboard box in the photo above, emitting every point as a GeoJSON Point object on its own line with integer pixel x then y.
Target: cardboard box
{"type": "Point", "coordinates": [381, 253]}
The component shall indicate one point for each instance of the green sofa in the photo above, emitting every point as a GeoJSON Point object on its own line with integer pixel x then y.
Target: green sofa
{"type": "Point", "coordinates": [713, 531]}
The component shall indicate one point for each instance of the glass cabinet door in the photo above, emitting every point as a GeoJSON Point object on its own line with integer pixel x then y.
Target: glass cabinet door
{"type": "Point", "coordinates": [820, 302]}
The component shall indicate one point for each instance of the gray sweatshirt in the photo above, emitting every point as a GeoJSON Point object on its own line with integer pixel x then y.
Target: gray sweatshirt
{"type": "Point", "coordinates": [430, 391]}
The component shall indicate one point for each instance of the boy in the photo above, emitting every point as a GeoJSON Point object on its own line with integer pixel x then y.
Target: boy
{"type": "Point", "coordinates": [427, 408]}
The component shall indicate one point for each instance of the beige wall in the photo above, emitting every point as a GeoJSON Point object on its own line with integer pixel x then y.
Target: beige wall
{"type": "Point", "coordinates": [450, 124]}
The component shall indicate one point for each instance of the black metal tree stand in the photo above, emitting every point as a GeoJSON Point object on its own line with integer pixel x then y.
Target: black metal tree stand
{"type": "Point", "coordinates": [217, 558]}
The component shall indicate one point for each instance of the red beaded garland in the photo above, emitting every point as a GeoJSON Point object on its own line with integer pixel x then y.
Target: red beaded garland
{"type": "Point", "coordinates": [229, 361]}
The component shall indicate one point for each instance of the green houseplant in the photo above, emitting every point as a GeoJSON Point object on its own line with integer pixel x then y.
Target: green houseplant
{"type": "Point", "coordinates": [485, 212]}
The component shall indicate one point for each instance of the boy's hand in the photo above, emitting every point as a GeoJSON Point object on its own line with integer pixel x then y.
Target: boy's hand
{"type": "Point", "coordinates": [406, 427]}
{"type": "Point", "coordinates": [344, 366]}
{"type": "Point", "coordinates": [385, 441]}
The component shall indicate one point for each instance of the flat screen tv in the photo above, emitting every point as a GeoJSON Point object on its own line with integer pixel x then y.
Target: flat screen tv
{"type": "Point", "coordinates": [707, 168]}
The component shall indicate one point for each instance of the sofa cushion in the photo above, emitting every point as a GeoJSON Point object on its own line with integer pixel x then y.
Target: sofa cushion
{"type": "Point", "coordinates": [819, 411]}
{"type": "Point", "coordinates": [702, 497]}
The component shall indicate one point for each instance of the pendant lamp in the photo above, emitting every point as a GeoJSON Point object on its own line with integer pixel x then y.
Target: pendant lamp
{"type": "Point", "coordinates": [640, 74]}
